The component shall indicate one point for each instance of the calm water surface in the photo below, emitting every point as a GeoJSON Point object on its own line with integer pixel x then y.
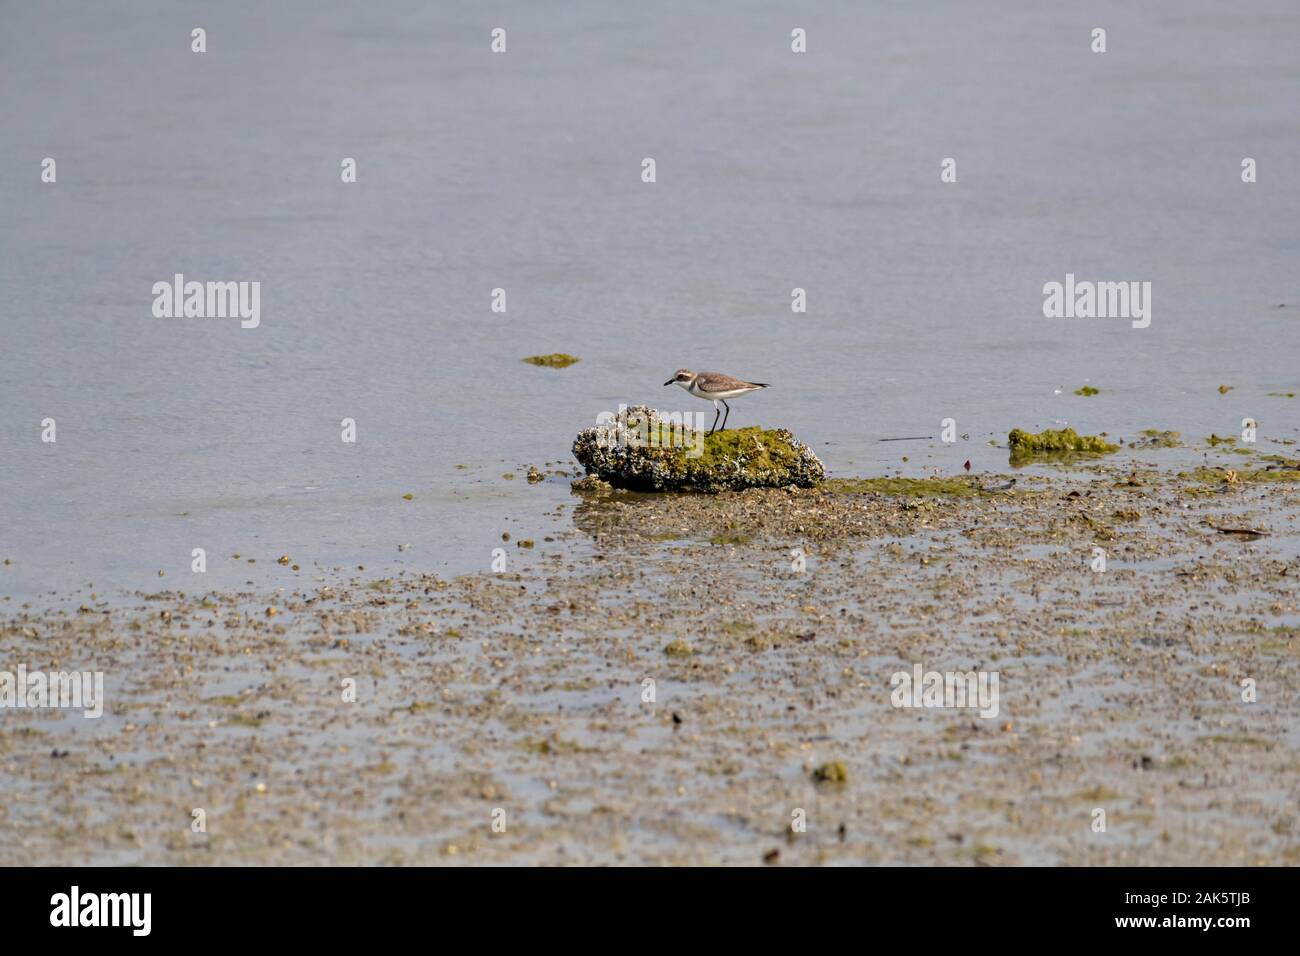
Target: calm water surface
{"type": "Point", "coordinates": [522, 171]}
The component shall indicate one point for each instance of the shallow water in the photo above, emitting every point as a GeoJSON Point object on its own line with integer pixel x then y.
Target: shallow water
{"type": "Point", "coordinates": [522, 171]}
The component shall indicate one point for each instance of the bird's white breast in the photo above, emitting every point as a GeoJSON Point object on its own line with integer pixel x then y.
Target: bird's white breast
{"type": "Point", "coordinates": [694, 389]}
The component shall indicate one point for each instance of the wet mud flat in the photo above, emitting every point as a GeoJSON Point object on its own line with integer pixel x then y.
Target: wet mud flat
{"type": "Point", "coordinates": [518, 698]}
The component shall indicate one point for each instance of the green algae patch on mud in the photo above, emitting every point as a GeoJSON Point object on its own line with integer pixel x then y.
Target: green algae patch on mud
{"type": "Point", "coordinates": [553, 360]}
{"type": "Point", "coordinates": [1239, 740]}
{"type": "Point", "coordinates": [678, 648]}
{"type": "Point", "coordinates": [1097, 793]}
{"type": "Point", "coordinates": [1289, 471]}
{"type": "Point", "coordinates": [1063, 444]}
{"type": "Point", "coordinates": [553, 746]}
{"type": "Point", "coordinates": [906, 487]}
{"type": "Point", "coordinates": [833, 772]}
{"type": "Point", "coordinates": [1087, 391]}
{"type": "Point", "coordinates": [226, 700]}
{"type": "Point", "coordinates": [729, 537]}
{"type": "Point", "coordinates": [639, 450]}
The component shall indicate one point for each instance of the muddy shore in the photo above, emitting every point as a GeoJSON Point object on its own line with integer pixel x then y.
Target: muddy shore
{"type": "Point", "coordinates": [770, 622]}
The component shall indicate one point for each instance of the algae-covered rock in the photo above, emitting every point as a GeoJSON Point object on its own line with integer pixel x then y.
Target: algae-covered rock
{"type": "Point", "coordinates": [1155, 438]}
{"type": "Point", "coordinates": [591, 485]}
{"type": "Point", "coordinates": [640, 451]}
{"type": "Point", "coordinates": [1066, 442]}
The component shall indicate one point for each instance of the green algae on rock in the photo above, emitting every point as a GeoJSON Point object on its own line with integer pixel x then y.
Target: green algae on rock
{"type": "Point", "coordinates": [1065, 443]}
{"type": "Point", "coordinates": [1086, 391]}
{"type": "Point", "coordinates": [639, 450]}
{"type": "Point", "coordinates": [554, 360]}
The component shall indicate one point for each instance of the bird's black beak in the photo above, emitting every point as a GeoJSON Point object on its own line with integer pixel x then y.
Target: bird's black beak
{"type": "Point", "coordinates": [670, 381]}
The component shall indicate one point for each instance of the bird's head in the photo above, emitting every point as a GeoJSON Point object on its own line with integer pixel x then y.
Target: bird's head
{"type": "Point", "coordinates": [684, 377]}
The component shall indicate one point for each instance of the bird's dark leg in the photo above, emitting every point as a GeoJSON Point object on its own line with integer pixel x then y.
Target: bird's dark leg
{"type": "Point", "coordinates": [716, 412]}
{"type": "Point", "coordinates": [724, 417]}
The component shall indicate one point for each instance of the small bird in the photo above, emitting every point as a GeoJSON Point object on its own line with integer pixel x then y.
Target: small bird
{"type": "Point", "coordinates": [716, 388]}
